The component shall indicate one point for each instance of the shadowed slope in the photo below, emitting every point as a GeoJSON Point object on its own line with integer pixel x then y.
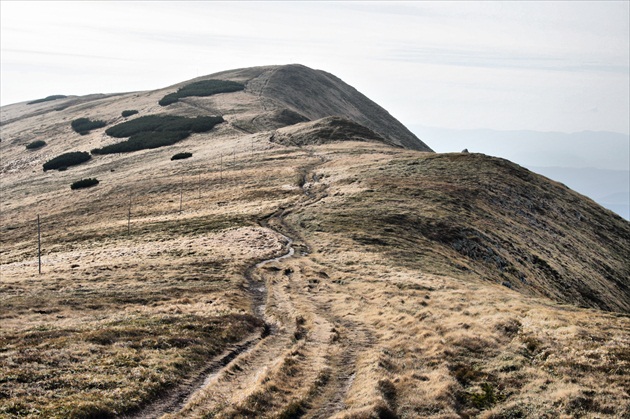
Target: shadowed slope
{"type": "Point", "coordinates": [324, 131]}
{"type": "Point", "coordinates": [317, 94]}
{"type": "Point", "coordinates": [474, 216]}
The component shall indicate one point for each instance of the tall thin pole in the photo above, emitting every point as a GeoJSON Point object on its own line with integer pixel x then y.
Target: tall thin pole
{"type": "Point", "coordinates": [39, 245]}
{"type": "Point", "coordinates": [181, 194]}
{"type": "Point", "coordinates": [129, 217]}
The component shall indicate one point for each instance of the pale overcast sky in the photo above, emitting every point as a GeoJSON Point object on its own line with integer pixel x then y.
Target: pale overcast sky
{"type": "Point", "coordinates": [546, 66]}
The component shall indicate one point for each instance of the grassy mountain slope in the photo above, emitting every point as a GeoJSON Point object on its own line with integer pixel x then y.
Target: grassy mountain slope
{"type": "Point", "coordinates": [475, 216]}
{"type": "Point", "coordinates": [417, 284]}
{"type": "Point", "coordinates": [317, 94]}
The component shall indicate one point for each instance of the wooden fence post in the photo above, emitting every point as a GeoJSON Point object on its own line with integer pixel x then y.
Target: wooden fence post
{"type": "Point", "coordinates": [129, 217]}
{"type": "Point", "coordinates": [181, 194]}
{"type": "Point", "coordinates": [39, 245]}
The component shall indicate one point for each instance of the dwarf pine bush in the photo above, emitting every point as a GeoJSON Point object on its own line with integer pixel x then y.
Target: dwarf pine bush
{"type": "Point", "coordinates": [153, 131]}
{"type": "Point", "coordinates": [84, 183]}
{"type": "Point", "coordinates": [35, 145]}
{"type": "Point", "coordinates": [84, 125]}
{"type": "Point", "coordinates": [127, 113]}
{"type": "Point", "coordinates": [202, 88]}
{"type": "Point", "coordinates": [181, 156]}
{"type": "Point", "coordinates": [66, 160]}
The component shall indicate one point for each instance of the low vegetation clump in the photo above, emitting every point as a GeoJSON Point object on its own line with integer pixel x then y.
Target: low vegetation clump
{"type": "Point", "coordinates": [155, 131]}
{"type": "Point", "coordinates": [66, 160]}
{"type": "Point", "coordinates": [47, 99]}
{"type": "Point", "coordinates": [181, 156]}
{"type": "Point", "coordinates": [127, 113]}
{"type": "Point", "coordinates": [35, 145]}
{"type": "Point", "coordinates": [84, 125]}
{"type": "Point", "coordinates": [84, 183]}
{"type": "Point", "coordinates": [163, 123]}
{"type": "Point", "coordinates": [202, 88]}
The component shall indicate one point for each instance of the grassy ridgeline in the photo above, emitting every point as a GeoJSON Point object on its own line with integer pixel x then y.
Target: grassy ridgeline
{"type": "Point", "coordinates": [47, 99]}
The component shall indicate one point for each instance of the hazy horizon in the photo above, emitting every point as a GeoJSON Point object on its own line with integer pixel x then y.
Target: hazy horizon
{"type": "Point", "coordinates": [593, 163]}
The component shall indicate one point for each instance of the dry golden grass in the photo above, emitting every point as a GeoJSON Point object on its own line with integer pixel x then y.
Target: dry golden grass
{"type": "Point", "coordinates": [420, 285]}
{"type": "Point", "coordinates": [118, 316]}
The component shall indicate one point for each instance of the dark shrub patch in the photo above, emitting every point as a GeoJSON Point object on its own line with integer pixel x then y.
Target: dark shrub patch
{"type": "Point", "coordinates": [202, 88]}
{"type": "Point", "coordinates": [163, 123]}
{"type": "Point", "coordinates": [67, 159]}
{"type": "Point", "coordinates": [155, 131]}
{"type": "Point", "coordinates": [85, 125]}
{"type": "Point", "coordinates": [84, 183]}
{"type": "Point", "coordinates": [47, 99]}
{"type": "Point", "coordinates": [142, 141]}
{"type": "Point", "coordinates": [35, 145]}
{"type": "Point", "coordinates": [488, 397]}
{"type": "Point", "coordinates": [168, 99]}
{"type": "Point", "coordinates": [129, 113]}
{"type": "Point", "coordinates": [181, 156]}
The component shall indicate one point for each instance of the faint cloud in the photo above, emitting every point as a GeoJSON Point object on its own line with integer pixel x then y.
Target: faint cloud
{"type": "Point", "coordinates": [484, 58]}
{"type": "Point", "coordinates": [62, 54]}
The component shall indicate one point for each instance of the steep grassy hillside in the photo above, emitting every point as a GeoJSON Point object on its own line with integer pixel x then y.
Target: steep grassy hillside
{"type": "Point", "coordinates": [317, 94]}
{"type": "Point", "coordinates": [474, 216]}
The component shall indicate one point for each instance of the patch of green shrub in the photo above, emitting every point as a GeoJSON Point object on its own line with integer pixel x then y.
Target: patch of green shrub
{"type": "Point", "coordinates": [153, 131]}
{"type": "Point", "coordinates": [35, 145]}
{"type": "Point", "coordinates": [67, 159]}
{"type": "Point", "coordinates": [129, 113]}
{"type": "Point", "coordinates": [142, 141]}
{"type": "Point", "coordinates": [85, 125]}
{"type": "Point", "coordinates": [202, 88]}
{"type": "Point", "coordinates": [84, 183]}
{"type": "Point", "coordinates": [181, 156]}
{"type": "Point", "coordinates": [487, 398]}
{"type": "Point", "coordinates": [163, 123]}
{"type": "Point", "coordinates": [47, 99]}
